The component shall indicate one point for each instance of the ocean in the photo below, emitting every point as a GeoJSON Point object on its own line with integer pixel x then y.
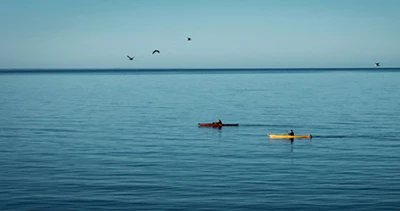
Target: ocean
{"type": "Point", "coordinates": [129, 140]}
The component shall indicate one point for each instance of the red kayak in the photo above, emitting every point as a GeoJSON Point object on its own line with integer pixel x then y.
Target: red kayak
{"type": "Point", "coordinates": [215, 125]}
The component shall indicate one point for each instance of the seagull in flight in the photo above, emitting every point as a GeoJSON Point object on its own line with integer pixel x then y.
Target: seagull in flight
{"type": "Point", "coordinates": [156, 51]}
{"type": "Point", "coordinates": [188, 39]}
{"type": "Point", "coordinates": [130, 58]}
{"type": "Point", "coordinates": [377, 64]}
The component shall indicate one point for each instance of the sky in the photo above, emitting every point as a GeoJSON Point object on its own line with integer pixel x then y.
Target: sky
{"type": "Point", "coordinates": [225, 33]}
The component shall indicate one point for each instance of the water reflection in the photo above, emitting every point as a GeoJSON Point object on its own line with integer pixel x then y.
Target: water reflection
{"type": "Point", "coordinates": [291, 144]}
{"type": "Point", "coordinates": [289, 140]}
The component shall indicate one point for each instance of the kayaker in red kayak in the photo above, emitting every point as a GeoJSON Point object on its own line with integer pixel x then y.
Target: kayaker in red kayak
{"type": "Point", "coordinates": [291, 133]}
{"type": "Point", "coordinates": [219, 122]}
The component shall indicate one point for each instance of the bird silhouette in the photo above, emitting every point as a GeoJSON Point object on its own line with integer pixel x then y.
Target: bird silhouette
{"type": "Point", "coordinates": [188, 39]}
{"type": "Point", "coordinates": [377, 64]}
{"type": "Point", "coordinates": [156, 51]}
{"type": "Point", "coordinates": [130, 58]}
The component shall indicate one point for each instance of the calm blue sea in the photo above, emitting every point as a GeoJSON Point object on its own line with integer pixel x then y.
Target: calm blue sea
{"type": "Point", "coordinates": [128, 140]}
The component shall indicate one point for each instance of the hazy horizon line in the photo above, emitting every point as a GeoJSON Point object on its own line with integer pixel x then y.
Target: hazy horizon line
{"type": "Point", "coordinates": [207, 68]}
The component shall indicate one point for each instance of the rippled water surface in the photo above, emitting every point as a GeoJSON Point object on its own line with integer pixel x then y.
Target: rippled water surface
{"type": "Point", "coordinates": [130, 141]}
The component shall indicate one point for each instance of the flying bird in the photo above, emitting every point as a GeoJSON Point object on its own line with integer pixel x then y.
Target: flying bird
{"type": "Point", "coordinates": [377, 64]}
{"type": "Point", "coordinates": [156, 51]}
{"type": "Point", "coordinates": [188, 39]}
{"type": "Point", "coordinates": [130, 58]}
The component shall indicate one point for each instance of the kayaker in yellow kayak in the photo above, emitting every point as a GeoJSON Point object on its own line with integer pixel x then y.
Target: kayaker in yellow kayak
{"type": "Point", "coordinates": [291, 133]}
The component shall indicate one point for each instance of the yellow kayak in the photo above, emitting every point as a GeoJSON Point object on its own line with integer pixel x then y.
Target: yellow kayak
{"type": "Point", "coordinates": [288, 136]}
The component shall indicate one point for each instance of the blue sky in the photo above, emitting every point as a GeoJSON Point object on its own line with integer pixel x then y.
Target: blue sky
{"type": "Point", "coordinates": [225, 33]}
